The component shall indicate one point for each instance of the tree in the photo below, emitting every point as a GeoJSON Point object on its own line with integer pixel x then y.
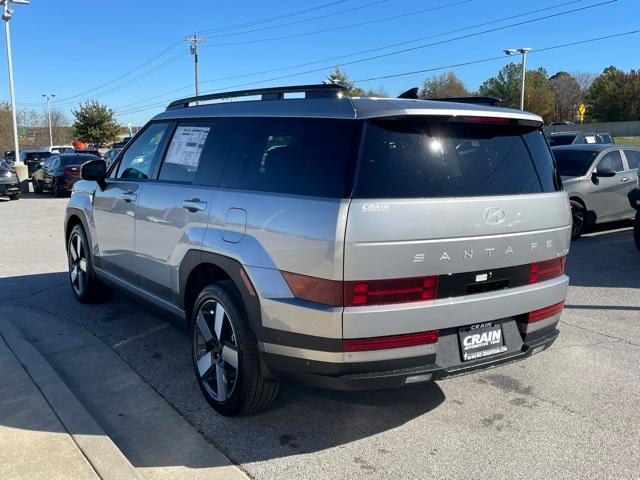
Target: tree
{"type": "Point", "coordinates": [614, 96]}
{"type": "Point", "coordinates": [94, 123]}
{"type": "Point", "coordinates": [568, 95]}
{"type": "Point", "coordinates": [442, 86]}
{"type": "Point", "coordinates": [341, 77]}
{"type": "Point", "coordinates": [538, 95]}
{"type": "Point", "coordinates": [379, 92]}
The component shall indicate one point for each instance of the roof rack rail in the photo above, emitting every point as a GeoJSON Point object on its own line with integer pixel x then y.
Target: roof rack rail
{"type": "Point", "coordinates": [491, 101]}
{"type": "Point", "coordinates": [322, 90]}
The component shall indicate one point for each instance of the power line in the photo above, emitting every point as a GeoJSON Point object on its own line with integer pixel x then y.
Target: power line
{"type": "Point", "coordinates": [353, 54]}
{"type": "Point", "coordinates": [539, 50]}
{"type": "Point", "coordinates": [341, 27]}
{"type": "Point", "coordinates": [433, 69]}
{"type": "Point", "coordinates": [174, 45]}
{"type": "Point", "coordinates": [296, 22]}
{"type": "Point", "coordinates": [272, 19]}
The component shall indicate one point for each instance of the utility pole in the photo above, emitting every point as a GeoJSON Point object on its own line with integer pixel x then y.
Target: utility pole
{"type": "Point", "coordinates": [6, 16]}
{"type": "Point", "coordinates": [523, 52]}
{"type": "Point", "coordinates": [194, 41]}
{"type": "Point", "coordinates": [49, 96]}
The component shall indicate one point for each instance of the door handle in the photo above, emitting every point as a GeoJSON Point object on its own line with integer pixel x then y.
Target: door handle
{"type": "Point", "coordinates": [194, 205]}
{"type": "Point", "coordinates": [129, 196]}
{"type": "Point", "coordinates": [625, 179]}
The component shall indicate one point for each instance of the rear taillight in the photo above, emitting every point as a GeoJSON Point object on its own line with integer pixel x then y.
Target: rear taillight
{"type": "Point", "coordinates": [397, 290]}
{"type": "Point", "coordinates": [393, 341]}
{"type": "Point", "coordinates": [71, 171]}
{"type": "Point", "coordinates": [541, 271]}
{"type": "Point", "coordinates": [545, 312]}
{"type": "Point", "coordinates": [360, 293]}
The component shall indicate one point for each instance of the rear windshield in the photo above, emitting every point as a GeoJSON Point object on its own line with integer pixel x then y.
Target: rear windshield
{"type": "Point", "coordinates": [36, 155]}
{"type": "Point", "coordinates": [555, 140]}
{"type": "Point", "coordinates": [414, 159]}
{"type": "Point", "coordinates": [574, 163]}
{"type": "Point", "coordinates": [74, 160]}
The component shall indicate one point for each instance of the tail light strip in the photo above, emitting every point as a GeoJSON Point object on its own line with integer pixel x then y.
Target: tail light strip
{"type": "Point", "coordinates": [389, 291]}
{"type": "Point", "coordinates": [392, 341]}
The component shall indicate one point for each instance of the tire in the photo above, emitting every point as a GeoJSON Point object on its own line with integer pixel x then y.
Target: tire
{"type": "Point", "coordinates": [56, 191]}
{"type": "Point", "coordinates": [579, 215]}
{"type": "Point", "coordinates": [225, 353]}
{"type": "Point", "coordinates": [636, 230]}
{"type": "Point", "coordinates": [84, 284]}
{"type": "Point", "coordinates": [15, 196]}
{"type": "Point", "coordinates": [37, 188]}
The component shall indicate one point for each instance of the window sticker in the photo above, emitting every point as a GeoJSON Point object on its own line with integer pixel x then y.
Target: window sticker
{"type": "Point", "coordinates": [186, 146]}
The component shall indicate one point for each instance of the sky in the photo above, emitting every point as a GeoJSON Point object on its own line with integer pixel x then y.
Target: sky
{"type": "Point", "coordinates": [132, 55]}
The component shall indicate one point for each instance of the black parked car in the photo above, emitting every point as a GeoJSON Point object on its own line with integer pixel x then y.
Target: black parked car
{"type": "Point", "coordinates": [634, 200]}
{"type": "Point", "coordinates": [59, 173]}
{"type": "Point", "coordinates": [579, 138]}
{"type": "Point", "coordinates": [9, 184]}
{"type": "Point", "coordinates": [33, 158]}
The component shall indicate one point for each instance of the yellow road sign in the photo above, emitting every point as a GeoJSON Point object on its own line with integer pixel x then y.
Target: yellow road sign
{"type": "Point", "coordinates": [581, 110]}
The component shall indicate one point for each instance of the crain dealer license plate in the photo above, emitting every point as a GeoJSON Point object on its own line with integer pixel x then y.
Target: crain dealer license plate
{"type": "Point", "coordinates": [481, 340]}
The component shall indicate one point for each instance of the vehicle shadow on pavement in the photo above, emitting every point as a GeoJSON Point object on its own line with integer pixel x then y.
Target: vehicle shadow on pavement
{"type": "Point", "coordinates": [157, 348]}
{"type": "Point", "coordinates": [605, 259]}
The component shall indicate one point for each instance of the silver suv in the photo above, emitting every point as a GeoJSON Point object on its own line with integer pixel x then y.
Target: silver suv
{"type": "Point", "coordinates": [349, 243]}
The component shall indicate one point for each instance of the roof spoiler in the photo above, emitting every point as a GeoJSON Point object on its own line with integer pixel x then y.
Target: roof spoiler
{"type": "Point", "coordinates": [491, 101]}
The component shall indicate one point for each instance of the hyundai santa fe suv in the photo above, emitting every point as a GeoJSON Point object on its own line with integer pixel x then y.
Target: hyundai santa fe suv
{"type": "Point", "coordinates": [348, 243]}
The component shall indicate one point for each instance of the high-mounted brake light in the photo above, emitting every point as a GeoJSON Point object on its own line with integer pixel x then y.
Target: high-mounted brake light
{"type": "Point", "coordinates": [478, 119]}
{"type": "Point", "coordinates": [392, 341]}
{"type": "Point", "coordinates": [541, 271]}
{"type": "Point", "coordinates": [545, 312]}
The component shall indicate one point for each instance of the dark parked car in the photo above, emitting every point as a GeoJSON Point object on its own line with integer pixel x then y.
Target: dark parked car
{"type": "Point", "coordinates": [33, 158]}
{"type": "Point", "coordinates": [10, 156]}
{"type": "Point", "coordinates": [579, 138]}
{"type": "Point", "coordinates": [9, 184]}
{"type": "Point", "coordinates": [60, 172]}
{"type": "Point", "coordinates": [89, 151]}
{"type": "Point", "coordinates": [634, 200]}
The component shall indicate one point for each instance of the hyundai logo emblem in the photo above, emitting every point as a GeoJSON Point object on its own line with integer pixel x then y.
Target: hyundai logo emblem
{"type": "Point", "coordinates": [494, 216]}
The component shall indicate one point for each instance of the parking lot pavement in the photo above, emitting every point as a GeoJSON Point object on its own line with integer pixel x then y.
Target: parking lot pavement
{"type": "Point", "coordinates": [570, 412]}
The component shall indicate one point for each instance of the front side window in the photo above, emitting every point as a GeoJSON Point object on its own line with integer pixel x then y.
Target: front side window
{"type": "Point", "coordinates": [611, 161]}
{"type": "Point", "coordinates": [183, 155]}
{"type": "Point", "coordinates": [139, 159]}
{"type": "Point", "coordinates": [410, 158]}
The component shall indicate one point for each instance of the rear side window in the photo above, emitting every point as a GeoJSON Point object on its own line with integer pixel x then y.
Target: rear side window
{"type": "Point", "coordinates": [633, 158]}
{"type": "Point", "coordinates": [435, 158]}
{"type": "Point", "coordinates": [299, 156]}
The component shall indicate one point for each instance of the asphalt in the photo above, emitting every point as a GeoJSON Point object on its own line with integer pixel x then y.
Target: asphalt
{"type": "Point", "coordinates": [569, 412]}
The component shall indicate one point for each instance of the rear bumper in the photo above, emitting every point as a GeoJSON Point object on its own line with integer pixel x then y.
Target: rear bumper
{"type": "Point", "coordinates": [9, 188]}
{"type": "Point", "coordinates": [397, 373]}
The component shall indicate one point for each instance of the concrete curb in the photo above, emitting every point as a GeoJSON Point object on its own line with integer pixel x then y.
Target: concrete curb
{"type": "Point", "coordinates": [103, 455]}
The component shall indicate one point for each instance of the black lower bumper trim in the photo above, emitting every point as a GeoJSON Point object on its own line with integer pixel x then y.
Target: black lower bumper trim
{"type": "Point", "coordinates": [325, 375]}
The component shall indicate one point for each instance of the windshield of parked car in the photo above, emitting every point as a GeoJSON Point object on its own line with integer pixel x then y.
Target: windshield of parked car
{"type": "Point", "coordinates": [431, 158]}
{"type": "Point", "coordinates": [574, 163]}
{"type": "Point", "coordinates": [556, 140]}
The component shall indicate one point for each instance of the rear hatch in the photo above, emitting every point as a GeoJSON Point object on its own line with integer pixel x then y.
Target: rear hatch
{"type": "Point", "coordinates": [471, 200]}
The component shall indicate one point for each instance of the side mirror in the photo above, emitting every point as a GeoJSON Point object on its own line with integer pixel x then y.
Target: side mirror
{"type": "Point", "coordinates": [604, 172]}
{"type": "Point", "coordinates": [95, 170]}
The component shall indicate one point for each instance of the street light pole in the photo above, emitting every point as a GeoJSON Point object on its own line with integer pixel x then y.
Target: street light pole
{"type": "Point", "coordinates": [49, 96]}
{"type": "Point", "coordinates": [194, 41]}
{"type": "Point", "coordinates": [6, 16]}
{"type": "Point", "coordinates": [523, 52]}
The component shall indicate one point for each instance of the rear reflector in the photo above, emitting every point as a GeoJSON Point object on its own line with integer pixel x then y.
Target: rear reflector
{"type": "Point", "coordinates": [545, 312]}
{"type": "Point", "coordinates": [392, 341]}
{"type": "Point", "coordinates": [313, 289]}
{"type": "Point", "coordinates": [383, 292]}
{"type": "Point", "coordinates": [541, 271]}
